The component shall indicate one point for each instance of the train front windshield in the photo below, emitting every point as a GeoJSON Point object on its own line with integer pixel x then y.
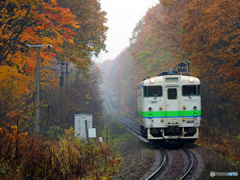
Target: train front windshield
{"type": "Point", "coordinates": [191, 90]}
{"type": "Point", "coordinates": [152, 91]}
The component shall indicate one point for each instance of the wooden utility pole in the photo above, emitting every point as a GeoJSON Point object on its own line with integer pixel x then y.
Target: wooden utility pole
{"type": "Point", "coordinates": [86, 128]}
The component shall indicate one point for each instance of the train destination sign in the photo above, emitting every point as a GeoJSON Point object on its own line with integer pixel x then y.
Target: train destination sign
{"type": "Point", "coordinates": [171, 80]}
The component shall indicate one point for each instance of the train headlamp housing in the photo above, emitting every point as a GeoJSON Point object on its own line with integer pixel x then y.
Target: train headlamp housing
{"type": "Point", "coordinates": [191, 79]}
{"type": "Point", "coordinates": [152, 80]}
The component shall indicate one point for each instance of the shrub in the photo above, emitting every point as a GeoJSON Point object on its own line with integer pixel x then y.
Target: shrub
{"type": "Point", "coordinates": [27, 157]}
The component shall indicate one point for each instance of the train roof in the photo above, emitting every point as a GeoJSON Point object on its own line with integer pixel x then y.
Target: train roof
{"type": "Point", "coordinates": [169, 79]}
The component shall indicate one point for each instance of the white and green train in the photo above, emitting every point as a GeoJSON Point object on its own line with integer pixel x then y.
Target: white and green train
{"type": "Point", "coordinates": [169, 107]}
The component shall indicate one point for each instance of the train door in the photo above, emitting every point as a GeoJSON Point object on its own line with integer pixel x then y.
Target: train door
{"type": "Point", "coordinates": [171, 113]}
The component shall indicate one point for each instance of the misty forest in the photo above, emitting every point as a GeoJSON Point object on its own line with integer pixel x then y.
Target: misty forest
{"type": "Point", "coordinates": [204, 32]}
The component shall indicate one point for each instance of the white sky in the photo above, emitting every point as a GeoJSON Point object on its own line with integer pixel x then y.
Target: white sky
{"type": "Point", "coordinates": [122, 17]}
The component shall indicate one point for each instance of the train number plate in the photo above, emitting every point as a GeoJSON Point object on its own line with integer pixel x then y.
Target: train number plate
{"type": "Point", "coordinates": [190, 120]}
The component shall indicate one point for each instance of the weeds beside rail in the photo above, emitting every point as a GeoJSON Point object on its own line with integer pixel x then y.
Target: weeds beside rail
{"type": "Point", "coordinates": [27, 157]}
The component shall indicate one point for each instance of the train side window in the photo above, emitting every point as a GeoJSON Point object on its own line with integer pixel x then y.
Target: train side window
{"type": "Point", "coordinates": [145, 91]}
{"type": "Point", "coordinates": [189, 90]}
{"type": "Point", "coordinates": [172, 93]}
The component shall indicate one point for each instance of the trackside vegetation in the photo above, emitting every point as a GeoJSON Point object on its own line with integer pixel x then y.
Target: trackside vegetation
{"type": "Point", "coordinates": [27, 157]}
{"type": "Point", "coordinates": [206, 33]}
{"type": "Point", "coordinates": [76, 31]}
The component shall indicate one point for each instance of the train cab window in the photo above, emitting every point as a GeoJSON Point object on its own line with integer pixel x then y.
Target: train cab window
{"type": "Point", "coordinates": [172, 93]}
{"type": "Point", "coordinates": [191, 90]}
{"type": "Point", "coordinates": [152, 91]}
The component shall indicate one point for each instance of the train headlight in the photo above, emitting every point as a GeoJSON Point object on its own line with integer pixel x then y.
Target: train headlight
{"type": "Point", "coordinates": [191, 79]}
{"type": "Point", "coordinates": [152, 80]}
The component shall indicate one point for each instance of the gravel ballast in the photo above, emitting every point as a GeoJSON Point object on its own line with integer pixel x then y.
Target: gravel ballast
{"type": "Point", "coordinates": [138, 157]}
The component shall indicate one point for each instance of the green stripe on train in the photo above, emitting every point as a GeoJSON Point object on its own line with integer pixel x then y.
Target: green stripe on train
{"type": "Point", "coordinates": [169, 113]}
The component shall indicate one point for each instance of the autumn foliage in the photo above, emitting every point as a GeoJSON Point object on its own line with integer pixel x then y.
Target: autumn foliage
{"type": "Point", "coordinates": [31, 22]}
{"type": "Point", "coordinates": [25, 157]}
{"type": "Point", "coordinates": [75, 26]}
{"type": "Point", "coordinates": [207, 34]}
{"type": "Point", "coordinates": [76, 31]}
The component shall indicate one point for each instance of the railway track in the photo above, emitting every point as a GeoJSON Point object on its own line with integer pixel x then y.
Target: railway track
{"type": "Point", "coordinates": [134, 128]}
{"type": "Point", "coordinates": [191, 161]}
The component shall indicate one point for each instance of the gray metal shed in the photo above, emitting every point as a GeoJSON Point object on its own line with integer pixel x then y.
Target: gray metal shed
{"type": "Point", "coordinates": [79, 120]}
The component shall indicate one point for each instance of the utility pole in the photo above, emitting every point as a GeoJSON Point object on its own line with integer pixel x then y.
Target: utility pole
{"type": "Point", "coordinates": [38, 46]}
{"type": "Point", "coordinates": [62, 73]}
{"type": "Point", "coordinates": [67, 74]}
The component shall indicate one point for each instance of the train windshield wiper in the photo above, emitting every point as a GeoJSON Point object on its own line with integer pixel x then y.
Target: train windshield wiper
{"type": "Point", "coordinates": [155, 95]}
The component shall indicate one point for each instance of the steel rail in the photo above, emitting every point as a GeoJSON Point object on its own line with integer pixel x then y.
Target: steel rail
{"type": "Point", "coordinates": [163, 151]}
{"type": "Point", "coordinates": [128, 119]}
{"type": "Point", "coordinates": [190, 155]}
{"type": "Point", "coordinates": [162, 165]}
{"type": "Point", "coordinates": [122, 122]}
{"type": "Point", "coordinates": [164, 154]}
{"type": "Point", "coordinates": [120, 114]}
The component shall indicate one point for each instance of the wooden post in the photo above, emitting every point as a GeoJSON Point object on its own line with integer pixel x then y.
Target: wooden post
{"type": "Point", "coordinates": [86, 127]}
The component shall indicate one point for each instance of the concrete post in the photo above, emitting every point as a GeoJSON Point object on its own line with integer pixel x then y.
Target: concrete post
{"type": "Point", "coordinates": [38, 46]}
